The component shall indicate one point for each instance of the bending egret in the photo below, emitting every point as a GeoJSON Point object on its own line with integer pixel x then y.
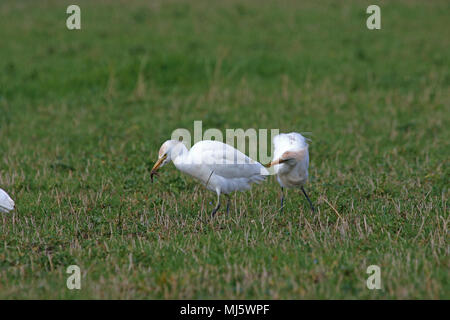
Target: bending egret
{"type": "Point", "coordinates": [291, 161]}
{"type": "Point", "coordinates": [6, 203]}
{"type": "Point", "coordinates": [218, 166]}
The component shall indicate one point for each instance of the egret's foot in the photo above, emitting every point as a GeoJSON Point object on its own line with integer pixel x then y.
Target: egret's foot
{"type": "Point", "coordinates": [213, 213]}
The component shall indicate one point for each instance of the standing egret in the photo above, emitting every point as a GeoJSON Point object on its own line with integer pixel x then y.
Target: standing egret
{"type": "Point", "coordinates": [218, 166]}
{"type": "Point", "coordinates": [6, 203]}
{"type": "Point", "coordinates": [291, 161]}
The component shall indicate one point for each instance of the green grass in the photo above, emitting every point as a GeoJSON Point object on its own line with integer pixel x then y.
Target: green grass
{"type": "Point", "coordinates": [83, 114]}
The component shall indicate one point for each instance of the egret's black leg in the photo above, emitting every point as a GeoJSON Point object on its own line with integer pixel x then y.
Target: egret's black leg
{"type": "Point", "coordinates": [282, 199]}
{"type": "Point", "coordinates": [213, 213]}
{"type": "Point", "coordinates": [307, 198]}
{"type": "Point", "coordinates": [228, 205]}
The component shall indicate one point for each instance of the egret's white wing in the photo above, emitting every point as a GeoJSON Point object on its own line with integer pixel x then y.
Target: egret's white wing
{"type": "Point", "coordinates": [6, 203]}
{"type": "Point", "coordinates": [226, 161]}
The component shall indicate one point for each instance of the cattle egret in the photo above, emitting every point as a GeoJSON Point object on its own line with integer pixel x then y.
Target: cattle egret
{"type": "Point", "coordinates": [218, 166]}
{"type": "Point", "coordinates": [6, 203]}
{"type": "Point", "coordinates": [291, 161]}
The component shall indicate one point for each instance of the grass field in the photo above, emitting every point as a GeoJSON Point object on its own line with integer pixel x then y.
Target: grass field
{"type": "Point", "coordinates": [83, 114]}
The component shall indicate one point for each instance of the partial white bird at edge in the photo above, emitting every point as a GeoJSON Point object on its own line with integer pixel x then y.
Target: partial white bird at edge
{"type": "Point", "coordinates": [6, 203]}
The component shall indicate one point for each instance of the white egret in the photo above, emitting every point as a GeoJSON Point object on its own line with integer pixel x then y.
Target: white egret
{"type": "Point", "coordinates": [291, 161]}
{"type": "Point", "coordinates": [6, 203]}
{"type": "Point", "coordinates": [218, 166]}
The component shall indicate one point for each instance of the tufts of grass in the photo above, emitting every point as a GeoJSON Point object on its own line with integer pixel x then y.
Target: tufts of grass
{"type": "Point", "coordinates": [83, 114]}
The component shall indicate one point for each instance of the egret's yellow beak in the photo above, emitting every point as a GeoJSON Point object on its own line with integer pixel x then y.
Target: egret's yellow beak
{"type": "Point", "coordinates": [278, 161]}
{"type": "Point", "coordinates": [157, 165]}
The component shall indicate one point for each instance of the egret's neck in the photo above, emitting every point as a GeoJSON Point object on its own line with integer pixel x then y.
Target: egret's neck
{"type": "Point", "coordinates": [179, 155]}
